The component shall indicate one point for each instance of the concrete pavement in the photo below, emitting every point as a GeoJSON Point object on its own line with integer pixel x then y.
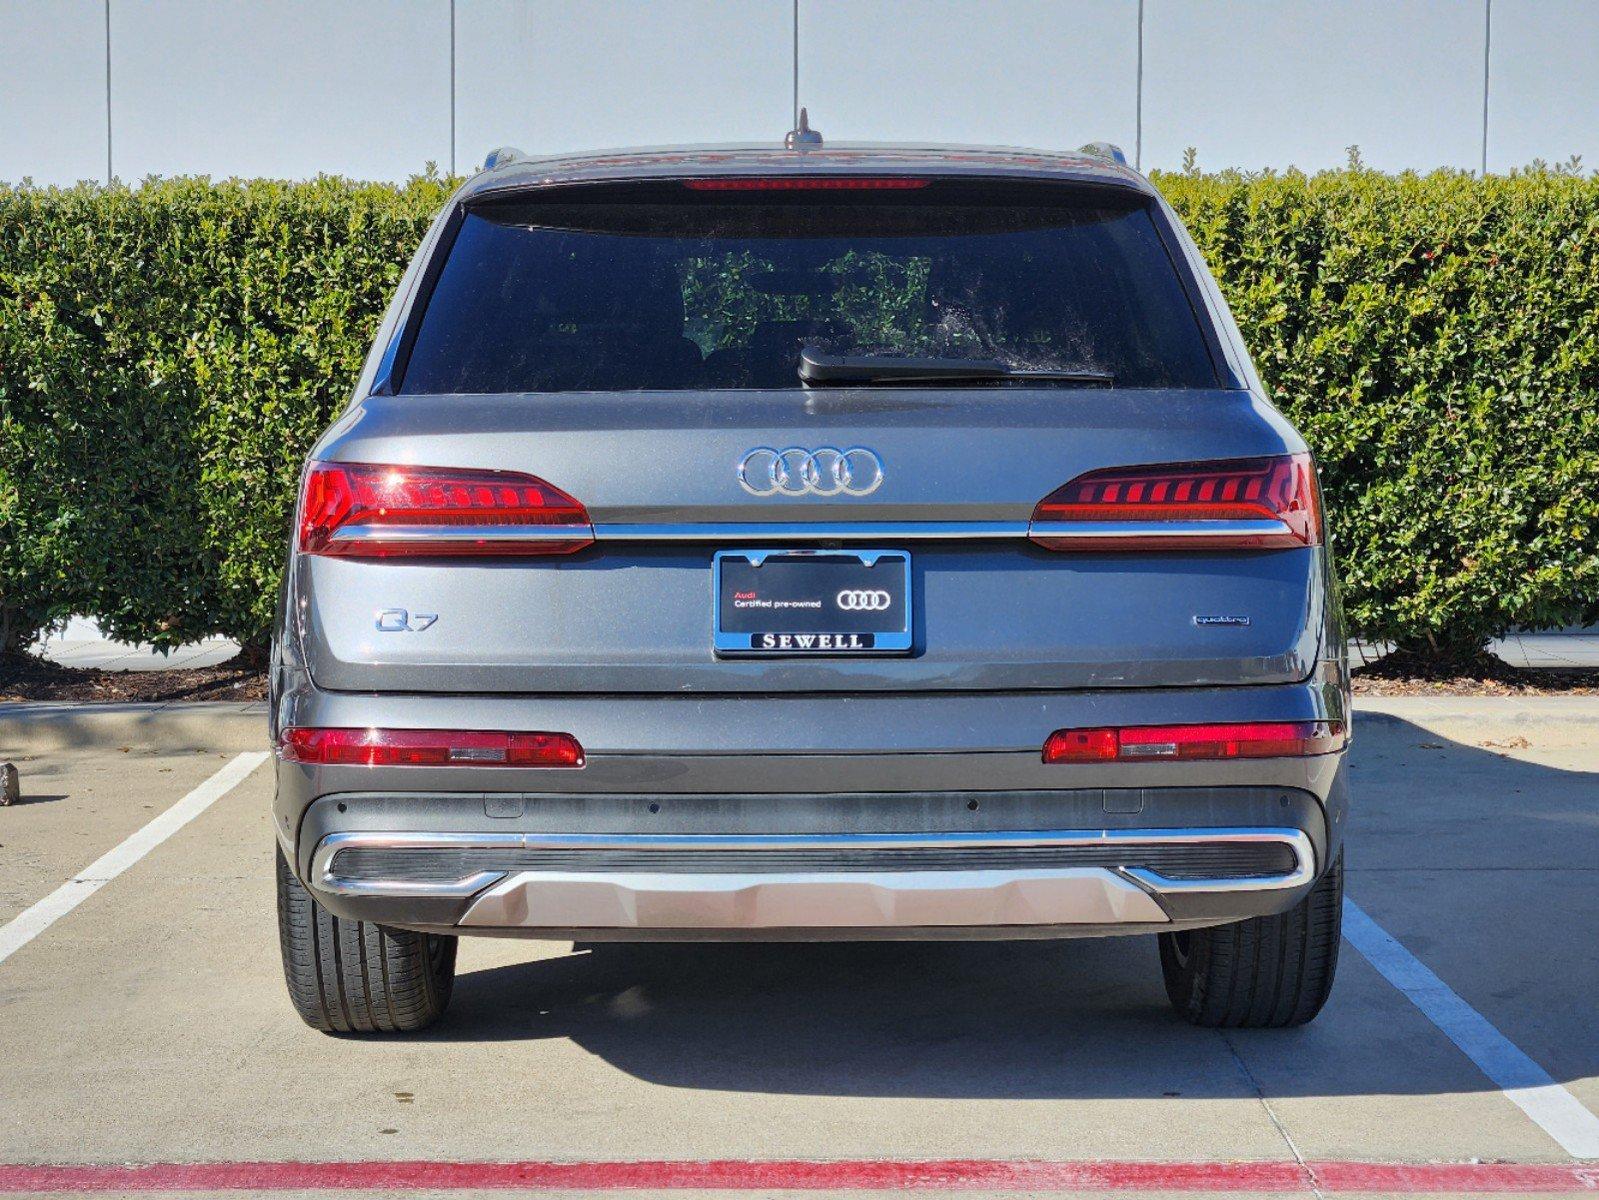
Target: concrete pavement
{"type": "Point", "coordinates": [149, 1024]}
{"type": "Point", "coordinates": [43, 728]}
{"type": "Point", "coordinates": [1574, 647]}
{"type": "Point", "coordinates": [79, 643]}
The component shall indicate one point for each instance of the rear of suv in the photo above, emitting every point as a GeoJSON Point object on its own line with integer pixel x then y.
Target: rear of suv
{"type": "Point", "coordinates": [809, 543]}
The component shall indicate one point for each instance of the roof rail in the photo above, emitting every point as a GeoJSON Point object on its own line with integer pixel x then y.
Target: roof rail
{"type": "Point", "coordinates": [1108, 150]}
{"type": "Point", "coordinates": [498, 158]}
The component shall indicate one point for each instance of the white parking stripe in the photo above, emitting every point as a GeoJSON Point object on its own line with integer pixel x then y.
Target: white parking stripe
{"type": "Point", "coordinates": [33, 921]}
{"type": "Point", "coordinates": [1527, 1084]}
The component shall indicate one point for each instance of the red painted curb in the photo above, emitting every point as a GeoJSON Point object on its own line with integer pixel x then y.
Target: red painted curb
{"type": "Point", "coordinates": [854, 1175]}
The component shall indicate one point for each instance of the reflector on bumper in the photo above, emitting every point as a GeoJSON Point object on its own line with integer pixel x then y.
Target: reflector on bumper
{"type": "Point", "coordinates": [1145, 743]}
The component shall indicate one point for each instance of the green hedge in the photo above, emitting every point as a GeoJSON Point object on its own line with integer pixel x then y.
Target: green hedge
{"type": "Point", "coordinates": [169, 353]}
{"type": "Point", "coordinates": [1437, 341]}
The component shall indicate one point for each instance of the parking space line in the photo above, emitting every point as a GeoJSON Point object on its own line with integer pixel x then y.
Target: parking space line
{"type": "Point", "coordinates": [34, 920]}
{"type": "Point", "coordinates": [807, 1175]}
{"type": "Point", "coordinates": [1532, 1089]}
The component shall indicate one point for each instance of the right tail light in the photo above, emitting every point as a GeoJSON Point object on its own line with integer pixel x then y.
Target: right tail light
{"type": "Point", "coordinates": [428, 748]}
{"type": "Point", "coordinates": [1231, 504]}
{"type": "Point", "coordinates": [371, 510]}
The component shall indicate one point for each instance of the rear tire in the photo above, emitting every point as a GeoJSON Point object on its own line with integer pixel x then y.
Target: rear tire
{"type": "Point", "coordinates": [1263, 973]}
{"type": "Point", "coordinates": [357, 977]}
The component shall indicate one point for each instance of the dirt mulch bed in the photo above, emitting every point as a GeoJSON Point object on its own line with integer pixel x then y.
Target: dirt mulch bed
{"type": "Point", "coordinates": [24, 677]}
{"type": "Point", "coordinates": [1401, 674]}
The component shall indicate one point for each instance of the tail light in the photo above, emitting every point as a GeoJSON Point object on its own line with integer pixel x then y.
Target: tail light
{"type": "Point", "coordinates": [1234, 504]}
{"type": "Point", "coordinates": [366, 510]}
{"type": "Point", "coordinates": [1163, 743]}
{"type": "Point", "coordinates": [428, 748]}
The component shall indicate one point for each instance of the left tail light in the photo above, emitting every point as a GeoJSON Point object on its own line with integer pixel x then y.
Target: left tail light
{"type": "Point", "coordinates": [428, 748]}
{"type": "Point", "coordinates": [368, 510]}
{"type": "Point", "coordinates": [1165, 743]}
{"type": "Point", "coordinates": [1232, 504]}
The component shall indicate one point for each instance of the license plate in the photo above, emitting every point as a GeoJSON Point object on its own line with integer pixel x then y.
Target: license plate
{"type": "Point", "coordinates": [819, 602]}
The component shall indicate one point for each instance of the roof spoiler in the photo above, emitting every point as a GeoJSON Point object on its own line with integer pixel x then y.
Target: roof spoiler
{"type": "Point", "coordinates": [1108, 150]}
{"type": "Point", "coordinates": [501, 156]}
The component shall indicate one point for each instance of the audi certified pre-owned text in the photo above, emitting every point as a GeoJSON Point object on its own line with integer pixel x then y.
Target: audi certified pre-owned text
{"type": "Point", "coordinates": [808, 542]}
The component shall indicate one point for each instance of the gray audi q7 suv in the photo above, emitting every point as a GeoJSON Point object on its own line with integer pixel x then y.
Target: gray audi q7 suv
{"type": "Point", "coordinates": [809, 543]}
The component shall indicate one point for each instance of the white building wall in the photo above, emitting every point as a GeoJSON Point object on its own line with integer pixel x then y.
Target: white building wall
{"type": "Point", "coordinates": [52, 90]}
{"type": "Point", "coordinates": [1258, 84]}
{"type": "Point", "coordinates": [552, 75]}
{"type": "Point", "coordinates": [379, 88]}
{"type": "Point", "coordinates": [1017, 73]}
{"type": "Point", "coordinates": [217, 87]}
{"type": "Point", "coordinates": [1544, 93]}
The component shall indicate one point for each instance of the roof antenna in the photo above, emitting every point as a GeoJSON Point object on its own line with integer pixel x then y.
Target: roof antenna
{"type": "Point", "coordinates": [803, 136]}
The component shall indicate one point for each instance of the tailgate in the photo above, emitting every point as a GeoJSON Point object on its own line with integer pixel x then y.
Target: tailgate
{"type": "Point", "coordinates": [961, 475]}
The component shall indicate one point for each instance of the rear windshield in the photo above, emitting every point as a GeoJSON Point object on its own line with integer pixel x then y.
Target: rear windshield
{"type": "Point", "coordinates": [703, 291]}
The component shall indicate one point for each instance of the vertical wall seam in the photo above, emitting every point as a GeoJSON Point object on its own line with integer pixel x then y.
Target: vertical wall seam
{"type": "Point", "coordinates": [452, 89]}
{"type": "Point", "coordinates": [108, 175]}
{"type": "Point", "coordinates": [1138, 97]}
{"type": "Point", "coordinates": [1487, 47]}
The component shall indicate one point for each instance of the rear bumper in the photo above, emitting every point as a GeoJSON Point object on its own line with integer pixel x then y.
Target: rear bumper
{"type": "Point", "coordinates": [721, 885]}
{"type": "Point", "coordinates": [948, 782]}
{"type": "Point", "coordinates": [1078, 862]}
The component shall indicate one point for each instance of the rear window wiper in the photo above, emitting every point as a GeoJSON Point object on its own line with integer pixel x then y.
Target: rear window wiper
{"type": "Point", "coordinates": [816, 368]}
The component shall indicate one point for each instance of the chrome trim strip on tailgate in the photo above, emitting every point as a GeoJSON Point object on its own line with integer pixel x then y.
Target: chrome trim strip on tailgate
{"type": "Point", "coordinates": [1065, 531]}
{"type": "Point", "coordinates": [797, 531]}
{"type": "Point", "coordinates": [794, 531]}
{"type": "Point", "coordinates": [928, 530]}
{"type": "Point", "coordinates": [464, 533]}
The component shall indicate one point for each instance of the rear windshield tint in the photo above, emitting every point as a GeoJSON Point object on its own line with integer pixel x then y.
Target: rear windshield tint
{"type": "Point", "coordinates": [687, 293]}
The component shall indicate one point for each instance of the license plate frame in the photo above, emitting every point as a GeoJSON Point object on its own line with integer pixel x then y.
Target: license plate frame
{"type": "Point", "coordinates": [890, 633]}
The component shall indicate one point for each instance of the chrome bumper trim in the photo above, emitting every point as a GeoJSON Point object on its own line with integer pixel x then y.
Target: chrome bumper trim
{"type": "Point", "coordinates": [861, 899]}
{"type": "Point", "coordinates": [326, 879]}
{"type": "Point", "coordinates": [842, 900]}
{"type": "Point", "coordinates": [1304, 862]}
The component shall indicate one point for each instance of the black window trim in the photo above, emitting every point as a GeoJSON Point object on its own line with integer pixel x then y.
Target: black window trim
{"type": "Point", "coordinates": [391, 382]}
{"type": "Point", "coordinates": [1194, 290]}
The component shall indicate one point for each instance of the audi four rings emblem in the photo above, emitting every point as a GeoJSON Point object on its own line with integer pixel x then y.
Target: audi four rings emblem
{"type": "Point", "coordinates": [827, 471]}
{"type": "Point", "coordinates": [853, 600]}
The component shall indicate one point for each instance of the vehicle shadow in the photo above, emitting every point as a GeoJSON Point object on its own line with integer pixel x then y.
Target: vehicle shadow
{"type": "Point", "coordinates": [1054, 1019]}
